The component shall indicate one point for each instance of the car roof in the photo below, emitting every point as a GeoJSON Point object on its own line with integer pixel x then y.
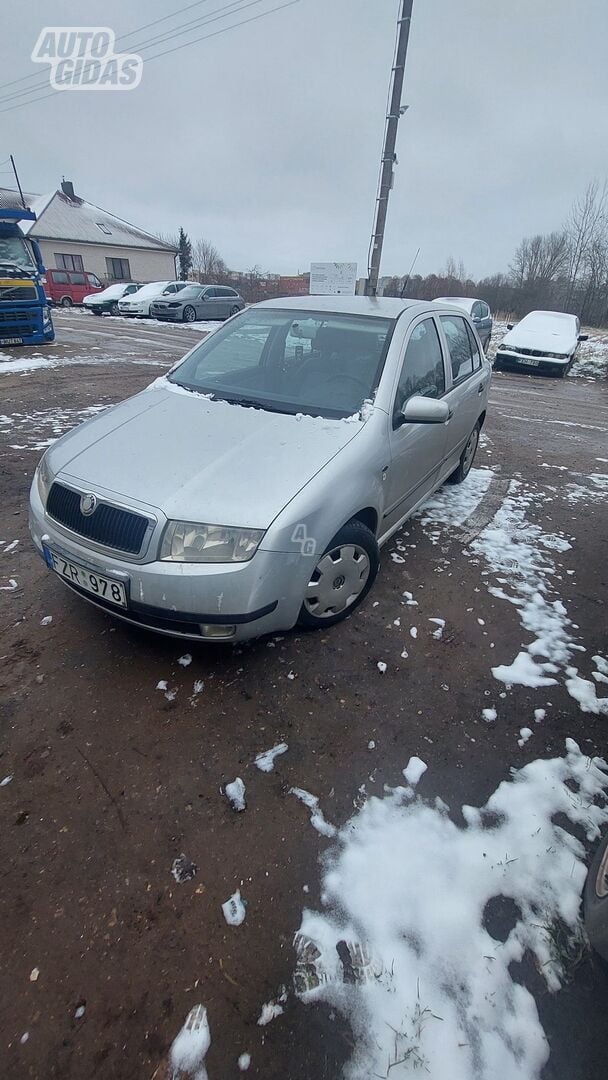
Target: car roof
{"type": "Point", "coordinates": [459, 301]}
{"type": "Point", "coordinates": [383, 307]}
{"type": "Point", "coordinates": [544, 316]}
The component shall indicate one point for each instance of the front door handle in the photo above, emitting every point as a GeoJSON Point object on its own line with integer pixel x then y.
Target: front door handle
{"type": "Point", "coordinates": [481, 388]}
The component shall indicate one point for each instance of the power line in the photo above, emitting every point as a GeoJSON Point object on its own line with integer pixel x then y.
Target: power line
{"type": "Point", "coordinates": [176, 48]}
{"type": "Point", "coordinates": [233, 8]}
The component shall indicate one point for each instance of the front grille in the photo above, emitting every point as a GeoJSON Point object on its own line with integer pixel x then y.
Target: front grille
{"type": "Point", "coordinates": [18, 318]}
{"type": "Point", "coordinates": [107, 525]}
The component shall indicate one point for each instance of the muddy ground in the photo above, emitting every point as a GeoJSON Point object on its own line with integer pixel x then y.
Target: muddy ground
{"type": "Point", "coordinates": [112, 781]}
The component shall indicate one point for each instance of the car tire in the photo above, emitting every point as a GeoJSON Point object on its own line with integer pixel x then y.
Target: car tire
{"type": "Point", "coordinates": [466, 458]}
{"type": "Point", "coordinates": [234, 310]}
{"type": "Point", "coordinates": [189, 313]}
{"type": "Point", "coordinates": [66, 301]}
{"type": "Point", "coordinates": [96, 311]}
{"type": "Point", "coordinates": [595, 906]}
{"type": "Point", "coordinates": [360, 567]}
{"type": "Point", "coordinates": [114, 308]}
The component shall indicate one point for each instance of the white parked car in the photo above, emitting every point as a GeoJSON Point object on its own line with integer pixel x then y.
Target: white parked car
{"type": "Point", "coordinates": [543, 339]}
{"type": "Point", "coordinates": [138, 303]}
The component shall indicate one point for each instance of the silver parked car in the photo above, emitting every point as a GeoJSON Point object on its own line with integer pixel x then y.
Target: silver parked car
{"type": "Point", "coordinates": [252, 487]}
{"type": "Point", "coordinates": [198, 302]}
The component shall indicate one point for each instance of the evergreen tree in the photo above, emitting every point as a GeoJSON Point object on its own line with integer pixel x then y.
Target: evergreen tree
{"type": "Point", "coordinates": [184, 255]}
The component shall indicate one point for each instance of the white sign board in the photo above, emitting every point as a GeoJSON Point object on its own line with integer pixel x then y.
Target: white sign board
{"type": "Point", "coordinates": [332, 279]}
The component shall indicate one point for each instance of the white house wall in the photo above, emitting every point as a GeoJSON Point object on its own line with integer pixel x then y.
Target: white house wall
{"type": "Point", "coordinates": [145, 265]}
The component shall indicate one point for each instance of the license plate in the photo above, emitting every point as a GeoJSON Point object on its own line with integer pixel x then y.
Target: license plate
{"type": "Point", "coordinates": [11, 341]}
{"type": "Point", "coordinates": [97, 584]}
{"type": "Point", "coordinates": [530, 363]}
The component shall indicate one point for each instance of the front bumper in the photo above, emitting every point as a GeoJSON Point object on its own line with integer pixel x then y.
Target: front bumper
{"type": "Point", "coordinates": [254, 598]}
{"type": "Point", "coordinates": [175, 315]}
{"type": "Point", "coordinates": [524, 361]}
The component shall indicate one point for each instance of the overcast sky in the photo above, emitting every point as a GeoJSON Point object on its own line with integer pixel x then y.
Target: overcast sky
{"type": "Point", "coordinates": [266, 139]}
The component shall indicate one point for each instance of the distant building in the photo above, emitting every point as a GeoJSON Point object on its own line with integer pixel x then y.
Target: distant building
{"type": "Point", "coordinates": [294, 285]}
{"type": "Point", "coordinates": [76, 235]}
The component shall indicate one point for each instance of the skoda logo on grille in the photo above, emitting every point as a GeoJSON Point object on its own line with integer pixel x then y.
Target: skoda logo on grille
{"type": "Point", "coordinates": [88, 504]}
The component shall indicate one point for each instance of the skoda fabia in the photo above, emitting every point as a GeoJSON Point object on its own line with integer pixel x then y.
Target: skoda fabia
{"type": "Point", "coordinates": [251, 488]}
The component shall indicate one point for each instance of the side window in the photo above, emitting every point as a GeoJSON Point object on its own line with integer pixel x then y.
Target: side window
{"type": "Point", "coordinates": [455, 330]}
{"type": "Point", "coordinates": [78, 279]}
{"type": "Point", "coordinates": [93, 280]}
{"type": "Point", "coordinates": [477, 310]}
{"type": "Point", "coordinates": [422, 372]}
{"type": "Point", "coordinates": [485, 311]}
{"type": "Point", "coordinates": [211, 292]}
{"type": "Point", "coordinates": [60, 278]}
{"type": "Point", "coordinates": [474, 350]}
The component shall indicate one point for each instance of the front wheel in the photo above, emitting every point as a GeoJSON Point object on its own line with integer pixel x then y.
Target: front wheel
{"type": "Point", "coordinates": [466, 458]}
{"type": "Point", "coordinates": [189, 314]}
{"type": "Point", "coordinates": [341, 577]}
{"type": "Point", "coordinates": [595, 900]}
{"type": "Point", "coordinates": [234, 310]}
{"type": "Point", "coordinates": [114, 308]}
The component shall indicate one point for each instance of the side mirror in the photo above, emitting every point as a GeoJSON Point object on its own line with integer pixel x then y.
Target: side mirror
{"type": "Point", "coordinates": [583, 337]}
{"type": "Point", "coordinates": [509, 326]}
{"type": "Point", "coordinates": [423, 410]}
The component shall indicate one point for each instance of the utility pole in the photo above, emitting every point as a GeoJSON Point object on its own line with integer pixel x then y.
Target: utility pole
{"type": "Point", "coordinates": [388, 152]}
{"type": "Point", "coordinates": [17, 179]}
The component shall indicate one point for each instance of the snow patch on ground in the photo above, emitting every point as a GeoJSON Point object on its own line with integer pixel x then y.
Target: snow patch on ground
{"type": "Point", "coordinates": [265, 761]}
{"type": "Point", "coordinates": [189, 1049]}
{"type": "Point", "coordinates": [317, 819]}
{"type": "Point", "coordinates": [453, 507]}
{"type": "Point", "coordinates": [410, 888]}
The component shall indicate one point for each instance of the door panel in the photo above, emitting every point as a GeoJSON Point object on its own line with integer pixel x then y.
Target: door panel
{"type": "Point", "coordinates": [468, 382]}
{"type": "Point", "coordinates": [416, 450]}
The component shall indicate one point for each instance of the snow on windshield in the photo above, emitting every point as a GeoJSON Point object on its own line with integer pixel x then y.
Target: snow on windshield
{"type": "Point", "coordinates": [152, 289]}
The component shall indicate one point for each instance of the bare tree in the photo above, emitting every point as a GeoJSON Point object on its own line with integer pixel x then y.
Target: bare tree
{"type": "Point", "coordinates": [587, 221]}
{"type": "Point", "coordinates": [207, 263]}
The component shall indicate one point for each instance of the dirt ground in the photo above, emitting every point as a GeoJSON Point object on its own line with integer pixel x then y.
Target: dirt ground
{"type": "Point", "coordinates": [112, 781]}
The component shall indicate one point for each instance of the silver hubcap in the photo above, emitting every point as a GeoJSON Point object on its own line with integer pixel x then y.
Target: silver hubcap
{"type": "Point", "coordinates": [338, 579]}
{"type": "Point", "coordinates": [189, 314]}
{"type": "Point", "coordinates": [469, 452]}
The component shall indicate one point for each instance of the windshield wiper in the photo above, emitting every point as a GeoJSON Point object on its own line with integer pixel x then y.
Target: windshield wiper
{"type": "Point", "coordinates": [252, 403]}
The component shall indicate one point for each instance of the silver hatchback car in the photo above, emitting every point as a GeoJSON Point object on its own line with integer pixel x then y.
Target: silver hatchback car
{"type": "Point", "coordinates": [251, 488]}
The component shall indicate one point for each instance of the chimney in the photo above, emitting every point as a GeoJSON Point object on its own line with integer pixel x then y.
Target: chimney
{"type": "Point", "coordinates": [68, 188]}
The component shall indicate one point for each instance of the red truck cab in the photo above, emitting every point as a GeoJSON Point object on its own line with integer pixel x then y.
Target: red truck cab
{"type": "Point", "coordinates": [68, 287]}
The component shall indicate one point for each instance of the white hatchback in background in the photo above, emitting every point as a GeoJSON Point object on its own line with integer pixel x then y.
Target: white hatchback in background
{"type": "Point", "coordinates": [546, 340]}
{"type": "Point", "coordinates": [138, 303]}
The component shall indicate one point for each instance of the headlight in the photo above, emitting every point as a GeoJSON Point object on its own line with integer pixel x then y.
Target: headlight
{"type": "Point", "coordinates": [44, 479]}
{"type": "Point", "coordinates": [186, 542]}
{"type": "Point", "coordinates": [173, 305]}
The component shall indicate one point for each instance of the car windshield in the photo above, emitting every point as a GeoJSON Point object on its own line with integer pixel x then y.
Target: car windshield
{"type": "Point", "coordinates": [110, 292]}
{"type": "Point", "coordinates": [13, 249]}
{"type": "Point", "coordinates": [319, 363]}
{"type": "Point", "coordinates": [191, 291]}
{"type": "Point", "coordinates": [153, 289]}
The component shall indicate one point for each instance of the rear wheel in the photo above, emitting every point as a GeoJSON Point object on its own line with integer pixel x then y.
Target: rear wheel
{"type": "Point", "coordinates": [341, 577]}
{"type": "Point", "coordinates": [189, 314]}
{"type": "Point", "coordinates": [466, 458]}
{"type": "Point", "coordinates": [66, 301]}
{"type": "Point", "coordinates": [234, 310]}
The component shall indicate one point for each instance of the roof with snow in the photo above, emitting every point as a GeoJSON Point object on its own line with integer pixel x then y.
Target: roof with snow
{"type": "Point", "coordinates": [64, 217]}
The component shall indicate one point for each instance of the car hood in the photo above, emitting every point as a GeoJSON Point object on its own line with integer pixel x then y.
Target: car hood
{"type": "Point", "coordinates": [199, 460]}
{"type": "Point", "coordinates": [543, 339]}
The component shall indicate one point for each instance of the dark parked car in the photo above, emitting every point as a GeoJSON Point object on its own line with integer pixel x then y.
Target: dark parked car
{"type": "Point", "coordinates": [198, 302]}
{"type": "Point", "coordinates": [478, 311]}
